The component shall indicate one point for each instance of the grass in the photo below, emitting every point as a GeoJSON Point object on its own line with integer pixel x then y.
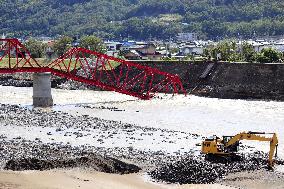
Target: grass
{"type": "Point", "coordinates": [44, 62]}
{"type": "Point", "coordinates": [63, 65]}
{"type": "Point", "coordinates": [4, 63]}
{"type": "Point", "coordinates": [113, 64]}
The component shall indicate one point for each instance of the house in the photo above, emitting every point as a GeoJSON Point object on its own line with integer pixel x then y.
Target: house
{"type": "Point", "coordinates": [148, 49]}
{"type": "Point", "coordinates": [258, 45]}
{"type": "Point", "coordinates": [142, 52]}
{"type": "Point", "coordinates": [112, 53]}
{"type": "Point", "coordinates": [279, 46]}
{"type": "Point", "coordinates": [126, 46]}
{"type": "Point", "coordinates": [113, 46]}
{"type": "Point", "coordinates": [132, 55]}
{"type": "Point", "coordinates": [192, 48]}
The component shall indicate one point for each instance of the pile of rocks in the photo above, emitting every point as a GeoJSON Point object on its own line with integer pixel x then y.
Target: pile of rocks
{"type": "Point", "coordinates": [17, 81]}
{"type": "Point", "coordinates": [199, 171]}
{"type": "Point", "coordinates": [20, 154]}
{"type": "Point", "coordinates": [26, 80]}
{"type": "Point", "coordinates": [91, 161]}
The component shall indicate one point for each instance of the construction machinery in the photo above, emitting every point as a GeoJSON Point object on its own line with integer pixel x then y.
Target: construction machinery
{"type": "Point", "coordinates": [228, 146]}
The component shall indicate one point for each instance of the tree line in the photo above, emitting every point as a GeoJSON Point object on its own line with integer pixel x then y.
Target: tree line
{"type": "Point", "coordinates": [224, 51]}
{"type": "Point", "coordinates": [38, 49]}
{"type": "Point", "coordinates": [139, 19]}
{"type": "Point", "coordinates": [231, 52]}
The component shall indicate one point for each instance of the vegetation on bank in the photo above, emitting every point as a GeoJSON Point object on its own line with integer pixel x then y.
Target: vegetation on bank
{"type": "Point", "coordinates": [229, 51]}
{"type": "Point", "coordinates": [63, 44]}
{"type": "Point", "coordinates": [143, 19]}
{"type": "Point", "coordinates": [4, 63]}
{"type": "Point", "coordinates": [226, 50]}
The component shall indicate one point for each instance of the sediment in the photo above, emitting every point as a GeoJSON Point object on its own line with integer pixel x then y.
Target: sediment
{"type": "Point", "coordinates": [70, 158]}
{"type": "Point", "coordinates": [21, 154]}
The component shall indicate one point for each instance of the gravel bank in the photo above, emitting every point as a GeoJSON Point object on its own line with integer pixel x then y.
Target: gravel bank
{"type": "Point", "coordinates": [32, 146]}
{"type": "Point", "coordinates": [199, 171]}
{"type": "Point", "coordinates": [90, 161]}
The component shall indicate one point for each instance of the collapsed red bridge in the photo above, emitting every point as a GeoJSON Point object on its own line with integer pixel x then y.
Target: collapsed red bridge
{"type": "Point", "coordinates": [93, 68]}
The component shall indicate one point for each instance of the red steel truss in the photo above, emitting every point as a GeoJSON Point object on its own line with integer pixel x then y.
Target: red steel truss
{"type": "Point", "coordinates": [14, 56]}
{"type": "Point", "coordinates": [93, 68]}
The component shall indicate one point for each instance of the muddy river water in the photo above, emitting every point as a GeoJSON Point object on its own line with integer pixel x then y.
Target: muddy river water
{"type": "Point", "coordinates": [196, 115]}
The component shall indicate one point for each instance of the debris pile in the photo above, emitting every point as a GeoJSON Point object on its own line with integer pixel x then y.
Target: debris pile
{"type": "Point", "coordinates": [93, 161]}
{"type": "Point", "coordinates": [15, 83]}
{"type": "Point", "coordinates": [199, 171]}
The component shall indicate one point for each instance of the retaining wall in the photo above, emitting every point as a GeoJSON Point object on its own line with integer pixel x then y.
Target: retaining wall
{"type": "Point", "coordinates": [229, 80]}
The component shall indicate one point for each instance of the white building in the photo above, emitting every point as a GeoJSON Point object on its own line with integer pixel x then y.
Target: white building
{"type": "Point", "coordinates": [191, 50]}
{"type": "Point", "coordinates": [279, 45]}
{"type": "Point", "coordinates": [258, 45]}
{"type": "Point", "coordinates": [113, 46]}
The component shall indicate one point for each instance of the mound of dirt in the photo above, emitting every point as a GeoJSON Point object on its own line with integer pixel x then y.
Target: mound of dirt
{"type": "Point", "coordinates": [98, 163]}
{"type": "Point", "coordinates": [198, 171]}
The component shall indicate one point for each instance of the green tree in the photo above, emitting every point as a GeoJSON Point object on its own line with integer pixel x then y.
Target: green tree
{"type": "Point", "coordinates": [230, 51]}
{"type": "Point", "coordinates": [36, 48]}
{"type": "Point", "coordinates": [227, 50]}
{"type": "Point", "coordinates": [62, 45]}
{"type": "Point", "coordinates": [261, 58]}
{"type": "Point", "coordinates": [248, 52]}
{"type": "Point", "coordinates": [140, 19]}
{"type": "Point", "coordinates": [92, 43]}
{"type": "Point", "coordinates": [268, 55]}
{"type": "Point", "coordinates": [271, 54]}
{"type": "Point", "coordinates": [224, 48]}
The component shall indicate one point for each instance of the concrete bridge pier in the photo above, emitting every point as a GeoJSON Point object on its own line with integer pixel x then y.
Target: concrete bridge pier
{"type": "Point", "coordinates": [42, 90]}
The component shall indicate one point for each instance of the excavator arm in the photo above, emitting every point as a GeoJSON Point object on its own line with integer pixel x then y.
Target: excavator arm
{"type": "Point", "coordinates": [273, 148]}
{"type": "Point", "coordinates": [256, 136]}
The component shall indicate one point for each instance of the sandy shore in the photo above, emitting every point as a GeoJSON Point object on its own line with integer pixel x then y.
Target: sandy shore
{"type": "Point", "coordinates": [75, 178]}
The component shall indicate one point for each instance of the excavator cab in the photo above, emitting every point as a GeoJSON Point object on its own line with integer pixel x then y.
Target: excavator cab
{"type": "Point", "coordinates": [212, 145]}
{"type": "Point", "coordinates": [232, 148]}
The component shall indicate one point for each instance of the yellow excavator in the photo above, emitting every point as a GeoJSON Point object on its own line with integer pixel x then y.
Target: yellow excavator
{"type": "Point", "coordinates": [228, 146]}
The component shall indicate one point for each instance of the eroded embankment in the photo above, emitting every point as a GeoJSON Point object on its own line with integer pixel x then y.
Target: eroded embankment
{"type": "Point", "coordinates": [228, 80]}
{"type": "Point", "coordinates": [220, 80]}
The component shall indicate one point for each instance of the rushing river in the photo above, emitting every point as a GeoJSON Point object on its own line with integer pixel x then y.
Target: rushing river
{"type": "Point", "coordinates": [197, 115]}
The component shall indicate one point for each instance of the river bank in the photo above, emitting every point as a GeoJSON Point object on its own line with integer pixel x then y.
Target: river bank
{"type": "Point", "coordinates": [206, 79]}
{"type": "Point", "coordinates": [148, 134]}
{"type": "Point", "coordinates": [86, 179]}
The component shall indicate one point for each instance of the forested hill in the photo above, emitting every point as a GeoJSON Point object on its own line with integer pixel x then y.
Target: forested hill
{"type": "Point", "coordinates": [142, 19]}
